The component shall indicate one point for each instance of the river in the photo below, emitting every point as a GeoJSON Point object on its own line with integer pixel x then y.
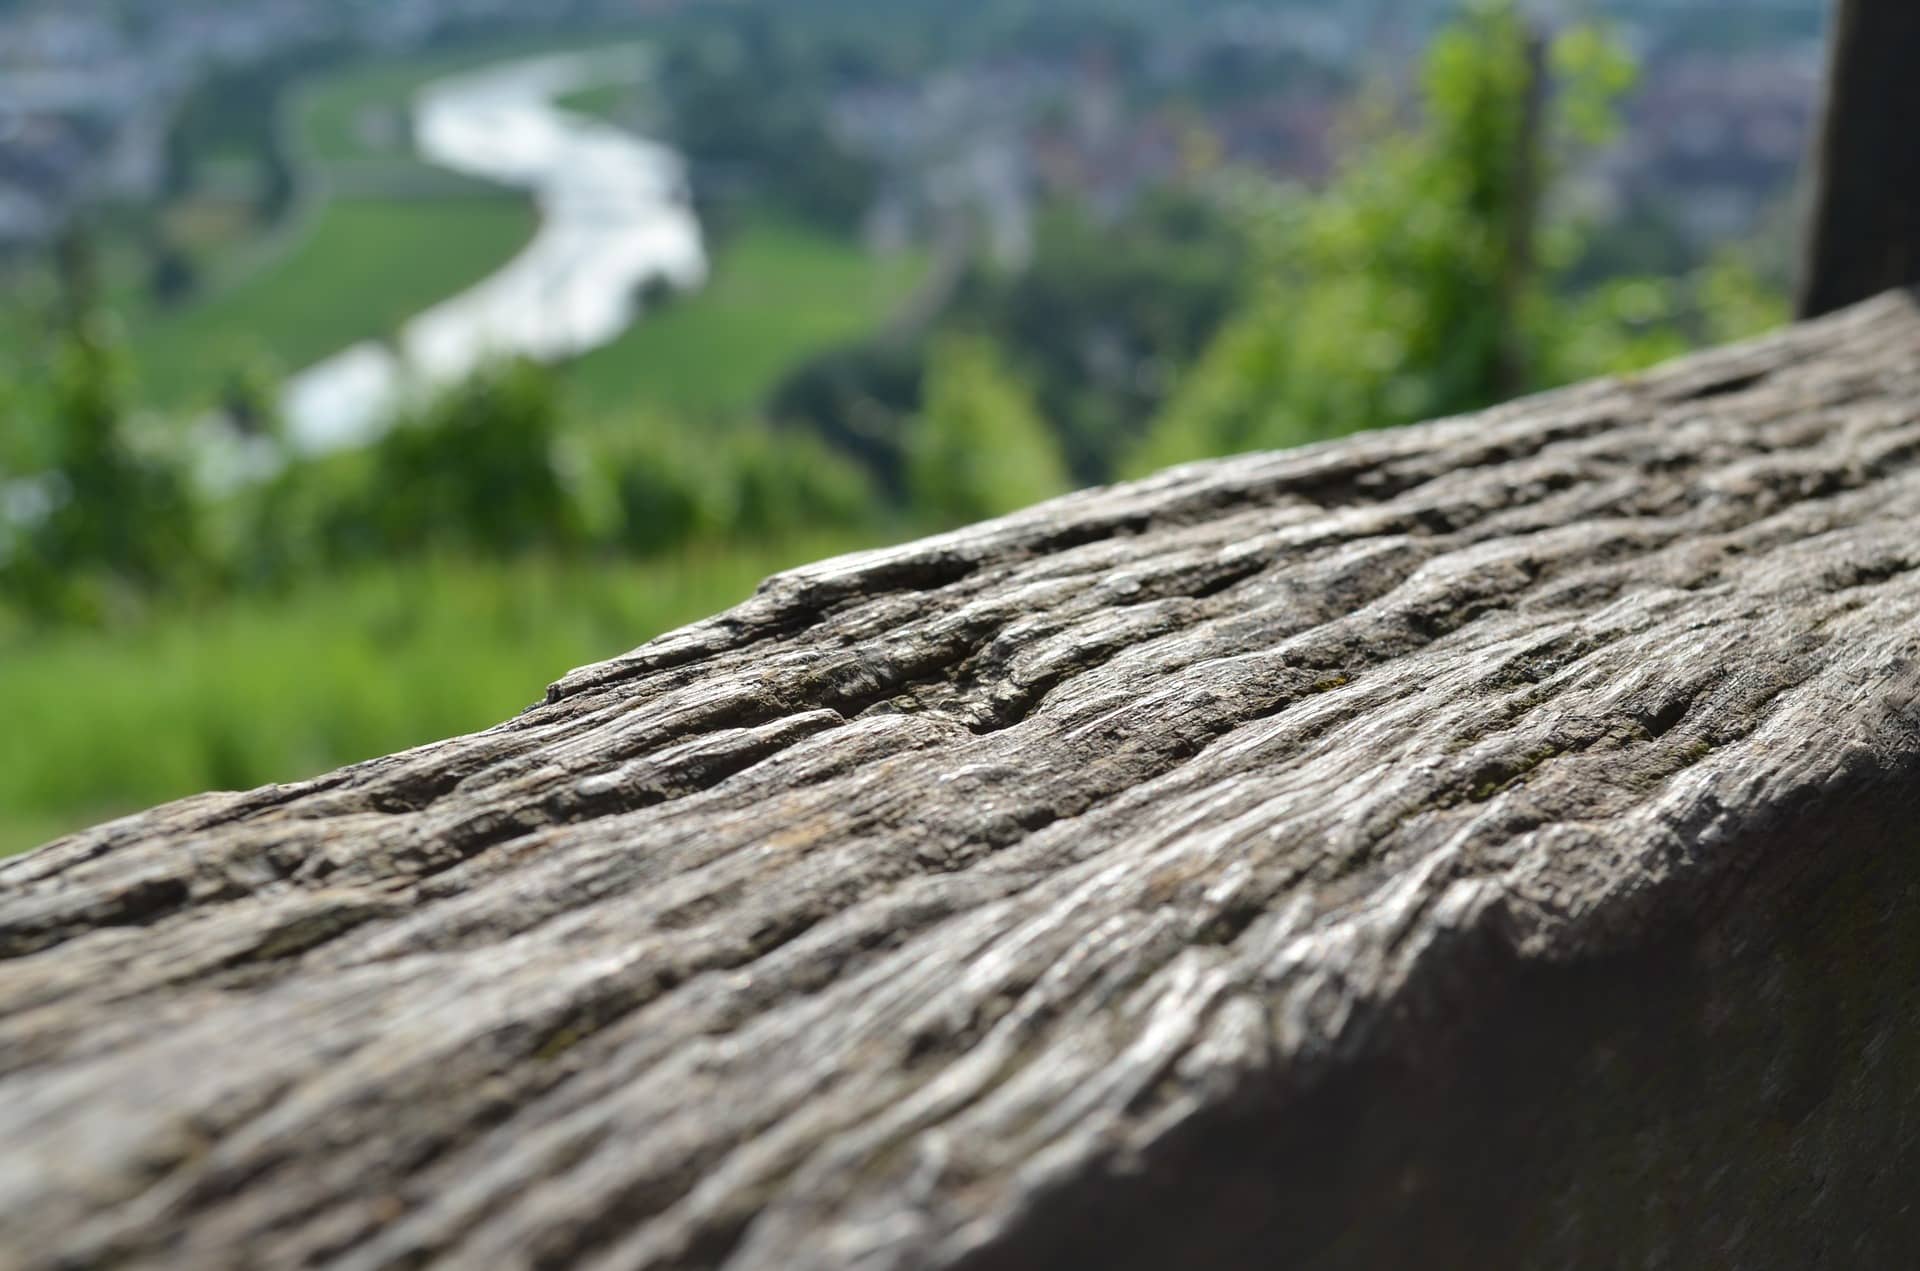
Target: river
{"type": "Point", "coordinates": [615, 218]}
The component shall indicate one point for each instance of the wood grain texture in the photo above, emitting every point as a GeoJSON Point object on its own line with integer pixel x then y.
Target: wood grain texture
{"type": "Point", "coordinates": [1493, 839]}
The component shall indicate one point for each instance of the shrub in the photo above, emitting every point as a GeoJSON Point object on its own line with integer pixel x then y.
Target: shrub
{"type": "Point", "coordinates": [980, 448]}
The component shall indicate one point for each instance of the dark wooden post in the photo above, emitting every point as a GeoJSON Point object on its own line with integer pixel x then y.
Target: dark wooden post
{"type": "Point", "coordinates": [1864, 233]}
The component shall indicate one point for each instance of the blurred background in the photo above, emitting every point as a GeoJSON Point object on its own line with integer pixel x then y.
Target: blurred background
{"type": "Point", "coordinates": [366, 364]}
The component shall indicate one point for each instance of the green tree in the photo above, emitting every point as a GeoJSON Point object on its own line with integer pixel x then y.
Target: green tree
{"type": "Point", "coordinates": [115, 513]}
{"type": "Point", "coordinates": [250, 398]}
{"type": "Point", "coordinates": [478, 471]}
{"type": "Point", "coordinates": [748, 101]}
{"type": "Point", "coordinates": [1106, 311]}
{"type": "Point", "coordinates": [1422, 282]}
{"type": "Point", "coordinates": [672, 484]}
{"type": "Point", "coordinates": [980, 448]}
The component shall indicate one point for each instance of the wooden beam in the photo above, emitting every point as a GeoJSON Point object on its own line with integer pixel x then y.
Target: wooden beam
{"type": "Point", "coordinates": [1485, 843]}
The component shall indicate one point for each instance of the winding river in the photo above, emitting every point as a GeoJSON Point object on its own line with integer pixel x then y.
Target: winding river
{"type": "Point", "coordinates": [614, 219]}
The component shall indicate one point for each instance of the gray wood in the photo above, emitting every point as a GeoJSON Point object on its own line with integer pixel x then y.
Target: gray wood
{"type": "Point", "coordinates": [1485, 843]}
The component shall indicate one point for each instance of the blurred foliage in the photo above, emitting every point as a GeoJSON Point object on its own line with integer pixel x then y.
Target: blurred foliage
{"type": "Point", "coordinates": [261, 688]}
{"type": "Point", "coordinates": [159, 634]}
{"type": "Point", "coordinates": [780, 294]}
{"type": "Point", "coordinates": [492, 470]}
{"type": "Point", "coordinates": [358, 271]}
{"type": "Point", "coordinates": [1421, 283]}
{"type": "Point", "coordinates": [746, 100]}
{"type": "Point", "coordinates": [476, 471]}
{"type": "Point", "coordinates": [1107, 313]}
{"type": "Point", "coordinates": [95, 513]}
{"type": "Point", "coordinates": [672, 487]}
{"type": "Point", "coordinates": [980, 448]}
{"type": "Point", "coordinates": [1096, 326]}
{"type": "Point", "coordinates": [859, 400]}
{"type": "Point", "coordinates": [233, 116]}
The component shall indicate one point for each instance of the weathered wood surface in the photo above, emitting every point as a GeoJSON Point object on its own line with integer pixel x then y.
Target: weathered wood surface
{"type": "Point", "coordinates": [1491, 840]}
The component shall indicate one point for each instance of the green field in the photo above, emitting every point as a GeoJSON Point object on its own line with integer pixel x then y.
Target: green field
{"type": "Point", "coordinates": [364, 269]}
{"type": "Point", "coordinates": [779, 294]}
{"type": "Point", "coordinates": [262, 690]}
{"type": "Point", "coordinates": [26, 297]}
{"type": "Point", "coordinates": [335, 111]}
{"type": "Point", "coordinates": [357, 268]}
{"type": "Point", "coordinates": [604, 101]}
{"type": "Point", "coordinates": [350, 268]}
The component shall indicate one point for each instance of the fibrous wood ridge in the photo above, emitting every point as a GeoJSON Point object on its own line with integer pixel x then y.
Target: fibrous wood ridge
{"type": "Point", "coordinates": [1489, 837]}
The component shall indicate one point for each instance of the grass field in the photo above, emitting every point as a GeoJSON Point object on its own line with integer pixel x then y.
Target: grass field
{"type": "Point", "coordinates": [603, 101]}
{"type": "Point", "coordinates": [263, 690]}
{"type": "Point", "coordinates": [355, 268]}
{"type": "Point", "coordinates": [266, 689]}
{"type": "Point", "coordinates": [780, 294]}
{"type": "Point", "coordinates": [27, 296]}
{"type": "Point", "coordinates": [366, 267]}
{"type": "Point", "coordinates": [343, 116]}
{"type": "Point", "coordinates": [346, 116]}
{"type": "Point", "coordinates": [361, 267]}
